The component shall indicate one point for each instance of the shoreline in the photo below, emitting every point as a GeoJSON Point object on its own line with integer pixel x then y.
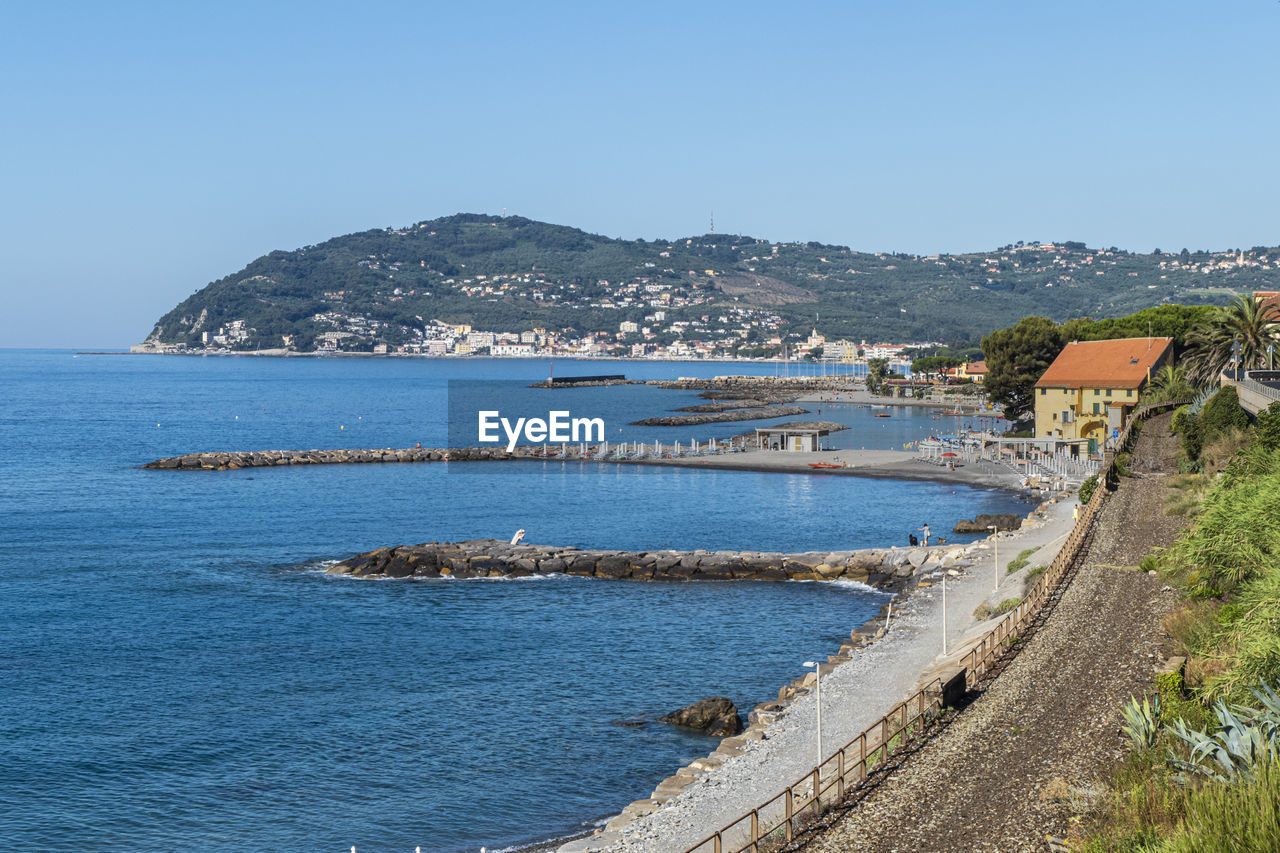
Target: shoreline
{"type": "Point", "coordinates": [859, 684]}
{"type": "Point", "coordinates": [880, 464]}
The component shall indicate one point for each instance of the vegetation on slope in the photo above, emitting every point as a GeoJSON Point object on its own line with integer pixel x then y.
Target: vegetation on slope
{"type": "Point", "coordinates": [1202, 774]}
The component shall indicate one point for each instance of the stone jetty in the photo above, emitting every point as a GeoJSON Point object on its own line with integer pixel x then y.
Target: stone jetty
{"type": "Point", "coordinates": [886, 568]}
{"type": "Point", "coordinates": [231, 460]}
{"type": "Point", "coordinates": [585, 381]}
{"type": "Point", "coordinates": [753, 384]}
{"type": "Point", "coordinates": [725, 416]}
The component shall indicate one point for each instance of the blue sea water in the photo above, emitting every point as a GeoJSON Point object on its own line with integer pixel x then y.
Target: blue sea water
{"type": "Point", "coordinates": [178, 672]}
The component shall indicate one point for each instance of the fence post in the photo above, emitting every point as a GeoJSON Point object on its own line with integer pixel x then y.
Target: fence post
{"type": "Point", "coordinates": [840, 775]}
{"type": "Point", "coordinates": [755, 830]}
{"type": "Point", "coordinates": [789, 813]}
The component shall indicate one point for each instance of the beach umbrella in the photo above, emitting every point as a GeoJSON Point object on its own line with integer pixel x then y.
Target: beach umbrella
{"type": "Point", "coordinates": [949, 453]}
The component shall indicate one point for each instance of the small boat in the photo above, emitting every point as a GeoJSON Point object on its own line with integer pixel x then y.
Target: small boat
{"type": "Point", "coordinates": [824, 465]}
{"type": "Point", "coordinates": [882, 415]}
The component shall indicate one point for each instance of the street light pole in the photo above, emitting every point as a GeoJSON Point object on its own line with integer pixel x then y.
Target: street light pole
{"type": "Point", "coordinates": [817, 677]}
{"type": "Point", "coordinates": [995, 544]}
{"type": "Point", "coordinates": [944, 613]}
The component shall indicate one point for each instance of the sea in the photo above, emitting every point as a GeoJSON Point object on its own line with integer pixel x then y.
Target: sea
{"type": "Point", "coordinates": [177, 671]}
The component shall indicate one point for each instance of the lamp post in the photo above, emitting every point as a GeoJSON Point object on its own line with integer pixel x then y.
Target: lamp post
{"type": "Point", "coordinates": [944, 613]}
{"type": "Point", "coordinates": [817, 677]}
{"type": "Point", "coordinates": [995, 544]}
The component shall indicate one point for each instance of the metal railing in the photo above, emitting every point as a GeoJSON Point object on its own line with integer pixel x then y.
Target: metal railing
{"type": "Point", "coordinates": [778, 820]}
{"type": "Point", "coordinates": [1264, 382]}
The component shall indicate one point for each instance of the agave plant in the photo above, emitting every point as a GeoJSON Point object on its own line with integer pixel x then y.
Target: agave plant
{"type": "Point", "coordinates": [1242, 739]}
{"type": "Point", "coordinates": [1142, 723]}
{"type": "Point", "coordinates": [1197, 403]}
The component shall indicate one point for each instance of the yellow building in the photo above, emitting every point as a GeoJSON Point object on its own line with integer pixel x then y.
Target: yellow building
{"type": "Point", "coordinates": [1092, 386]}
{"type": "Point", "coordinates": [975, 371]}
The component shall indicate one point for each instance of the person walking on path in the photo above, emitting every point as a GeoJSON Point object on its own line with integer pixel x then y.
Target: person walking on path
{"type": "Point", "coordinates": [1075, 512]}
{"type": "Point", "coordinates": [924, 538]}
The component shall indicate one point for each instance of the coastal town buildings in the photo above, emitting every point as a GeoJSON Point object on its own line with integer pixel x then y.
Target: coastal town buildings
{"type": "Point", "coordinates": [1092, 386]}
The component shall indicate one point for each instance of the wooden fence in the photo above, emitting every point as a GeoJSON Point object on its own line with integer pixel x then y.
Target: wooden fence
{"type": "Point", "coordinates": [777, 821]}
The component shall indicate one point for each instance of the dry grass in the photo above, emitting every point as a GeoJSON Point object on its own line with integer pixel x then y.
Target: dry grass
{"type": "Point", "coordinates": [1185, 494]}
{"type": "Point", "coordinates": [1217, 453]}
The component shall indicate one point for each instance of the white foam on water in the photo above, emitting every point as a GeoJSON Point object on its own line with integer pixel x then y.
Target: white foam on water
{"type": "Point", "coordinates": [844, 583]}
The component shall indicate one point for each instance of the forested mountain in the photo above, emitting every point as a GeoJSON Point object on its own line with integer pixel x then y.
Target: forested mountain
{"type": "Point", "coordinates": [507, 274]}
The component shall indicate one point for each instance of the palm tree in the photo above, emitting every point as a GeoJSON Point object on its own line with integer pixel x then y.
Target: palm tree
{"type": "Point", "coordinates": [1168, 383]}
{"type": "Point", "coordinates": [1247, 322]}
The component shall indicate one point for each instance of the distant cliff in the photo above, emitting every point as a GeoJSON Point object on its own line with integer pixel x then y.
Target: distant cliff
{"type": "Point", "coordinates": [730, 293]}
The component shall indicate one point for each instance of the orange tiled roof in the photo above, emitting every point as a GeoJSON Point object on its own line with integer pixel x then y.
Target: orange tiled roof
{"type": "Point", "coordinates": [976, 367]}
{"type": "Point", "coordinates": [1268, 297]}
{"type": "Point", "coordinates": [1121, 363]}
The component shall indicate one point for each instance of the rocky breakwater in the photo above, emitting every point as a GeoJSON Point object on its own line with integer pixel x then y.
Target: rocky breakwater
{"type": "Point", "coordinates": [756, 385]}
{"type": "Point", "coordinates": [725, 416]}
{"type": "Point", "coordinates": [231, 460]}
{"type": "Point", "coordinates": [886, 568]}
{"type": "Point", "coordinates": [585, 382]}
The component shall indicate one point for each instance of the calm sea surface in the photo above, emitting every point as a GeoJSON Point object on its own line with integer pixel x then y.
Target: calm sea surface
{"type": "Point", "coordinates": [176, 671]}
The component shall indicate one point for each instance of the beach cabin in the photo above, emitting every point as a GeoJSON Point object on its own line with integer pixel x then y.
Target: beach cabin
{"type": "Point", "coordinates": [797, 436]}
{"type": "Point", "coordinates": [1092, 386]}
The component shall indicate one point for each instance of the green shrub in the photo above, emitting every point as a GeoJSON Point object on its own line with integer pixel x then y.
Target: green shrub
{"type": "Point", "coordinates": [1088, 487]}
{"type": "Point", "coordinates": [1268, 433]}
{"type": "Point", "coordinates": [1222, 412]}
{"type": "Point", "coordinates": [1020, 562]}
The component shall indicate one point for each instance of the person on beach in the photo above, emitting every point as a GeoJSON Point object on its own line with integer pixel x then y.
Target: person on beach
{"type": "Point", "coordinates": [924, 538]}
{"type": "Point", "coordinates": [1075, 512]}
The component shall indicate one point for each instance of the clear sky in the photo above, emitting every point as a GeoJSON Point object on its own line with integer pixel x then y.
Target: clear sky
{"type": "Point", "coordinates": [149, 148]}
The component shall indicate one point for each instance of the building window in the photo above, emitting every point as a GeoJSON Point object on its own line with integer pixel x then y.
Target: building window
{"type": "Point", "coordinates": [1095, 408]}
{"type": "Point", "coordinates": [1097, 391]}
{"type": "Point", "coordinates": [1129, 392]}
{"type": "Point", "coordinates": [1044, 391]}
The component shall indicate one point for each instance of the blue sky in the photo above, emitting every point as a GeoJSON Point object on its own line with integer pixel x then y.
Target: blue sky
{"type": "Point", "coordinates": [148, 149]}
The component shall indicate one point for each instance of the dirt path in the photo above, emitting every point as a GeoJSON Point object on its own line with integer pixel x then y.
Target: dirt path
{"type": "Point", "coordinates": [994, 778]}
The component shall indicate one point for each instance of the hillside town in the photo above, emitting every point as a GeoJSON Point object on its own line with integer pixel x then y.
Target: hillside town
{"type": "Point", "coordinates": [723, 341]}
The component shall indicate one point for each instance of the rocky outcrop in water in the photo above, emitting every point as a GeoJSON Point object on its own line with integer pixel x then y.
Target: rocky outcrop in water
{"type": "Point", "coordinates": [716, 716]}
{"type": "Point", "coordinates": [980, 524]}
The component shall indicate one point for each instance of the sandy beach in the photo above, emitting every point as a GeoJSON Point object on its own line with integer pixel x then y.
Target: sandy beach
{"type": "Point", "coordinates": [896, 464]}
{"type": "Point", "coordinates": [854, 694]}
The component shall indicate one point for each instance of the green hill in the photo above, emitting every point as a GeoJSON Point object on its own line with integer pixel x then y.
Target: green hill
{"type": "Point", "coordinates": [508, 274]}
